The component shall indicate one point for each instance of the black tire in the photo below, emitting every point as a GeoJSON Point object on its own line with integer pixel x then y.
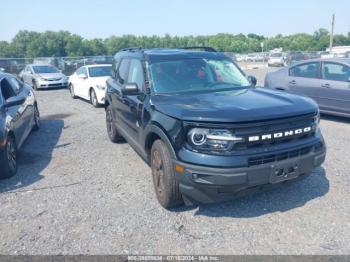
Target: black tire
{"type": "Point", "coordinates": [8, 159]}
{"type": "Point", "coordinates": [36, 118]}
{"type": "Point", "coordinates": [112, 131]}
{"type": "Point", "coordinates": [71, 91]}
{"type": "Point", "coordinates": [35, 86]}
{"type": "Point", "coordinates": [93, 98]}
{"type": "Point", "coordinates": [165, 183]}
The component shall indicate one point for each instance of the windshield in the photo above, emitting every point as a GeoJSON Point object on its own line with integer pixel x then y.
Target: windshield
{"type": "Point", "coordinates": [276, 55]}
{"type": "Point", "coordinates": [45, 69]}
{"type": "Point", "coordinates": [186, 75]}
{"type": "Point", "coordinates": [100, 71]}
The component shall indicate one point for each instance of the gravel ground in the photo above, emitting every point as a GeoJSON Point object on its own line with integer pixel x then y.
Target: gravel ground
{"type": "Point", "coordinates": [77, 193]}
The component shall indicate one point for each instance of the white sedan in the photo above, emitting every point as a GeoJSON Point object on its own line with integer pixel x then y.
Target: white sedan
{"type": "Point", "coordinates": [89, 82]}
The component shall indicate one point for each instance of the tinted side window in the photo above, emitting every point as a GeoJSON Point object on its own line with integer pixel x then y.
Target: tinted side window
{"type": "Point", "coordinates": [15, 84]}
{"type": "Point", "coordinates": [6, 89]}
{"type": "Point", "coordinates": [309, 70]}
{"type": "Point", "coordinates": [136, 73]}
{"type": "Point", "coordinates": [123, 71]}
{"type": "Point", "coordinates": [336, 72]}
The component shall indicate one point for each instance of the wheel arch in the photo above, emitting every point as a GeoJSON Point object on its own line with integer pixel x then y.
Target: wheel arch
{"type": "Point", "coordinates": [154, 133]}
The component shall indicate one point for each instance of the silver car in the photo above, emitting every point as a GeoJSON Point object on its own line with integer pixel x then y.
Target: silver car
{"type": "Point", "coordinates": [327, 81]}
{"type": "Point", "coordinates": [276, 59]}
{"type": "Point", "coordinates": [43, 76]}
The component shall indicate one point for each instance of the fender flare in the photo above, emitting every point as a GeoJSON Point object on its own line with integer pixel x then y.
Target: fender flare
{"type": "Point", "coordinates": [159, 131]}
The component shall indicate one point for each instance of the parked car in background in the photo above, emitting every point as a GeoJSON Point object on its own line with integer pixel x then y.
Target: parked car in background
{"type": "Point", "coordinates": [327, 81]}
{"type": "Point", "coordinates": [326, 55]}
{"type": "Point", "coordinates": [19, 115]}
{"type": "Point", "coordinates": [311, 55]}
{"type": "Point", "coordinates": [293, 56]}
{"type": "Point", "coordinates": [276, 59]}
{"type": "Point", "coordinates": [43, 76]}
{"type": "Point", "coordinates": [89, 82]}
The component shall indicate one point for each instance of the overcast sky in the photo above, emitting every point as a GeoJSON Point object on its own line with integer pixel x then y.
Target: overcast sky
{"type": "Point", "coordinates": [103, 18]}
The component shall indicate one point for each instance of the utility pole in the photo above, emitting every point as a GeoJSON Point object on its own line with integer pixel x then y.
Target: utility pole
{"type": "Point", "coordinates": [331, 36]}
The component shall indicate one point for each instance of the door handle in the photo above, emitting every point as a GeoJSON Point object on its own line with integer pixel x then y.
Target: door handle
{"type": "Point", "coordinates": [293, 82]}
{"type": "Point", "coordinates": [326, 85]}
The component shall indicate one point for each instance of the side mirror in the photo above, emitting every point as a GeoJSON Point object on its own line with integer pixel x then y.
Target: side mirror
{"type": "Point", "coordinates": [82, 76]}
{"type": "Point", "coordinates": [252, 80]}
{"type": "Point", "coordinates": [2, 69]}
{"type": "Point", "coordinates": [349, 79]}
{"type": "Point", "coordinates": [130, 89]}
{"type": "Point", "coordinates": [13, 101]}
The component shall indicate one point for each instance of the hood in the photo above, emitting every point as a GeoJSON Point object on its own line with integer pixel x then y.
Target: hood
{"type": "Point", "coordinates": [50, 76]}
{"type": "Point", "coordinates": [231, 106]}
{"type": "Point", "coordinates": [98, 80]}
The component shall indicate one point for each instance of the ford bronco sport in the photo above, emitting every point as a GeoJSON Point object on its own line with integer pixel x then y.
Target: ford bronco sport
{"type": "Point", "coordinates": [204, 128]}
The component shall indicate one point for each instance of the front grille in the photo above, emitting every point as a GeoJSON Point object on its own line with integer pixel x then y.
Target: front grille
{"type": "Point", "coordinates": [254, 161]}
{"type": "Point", "coordinates": [273, 127]}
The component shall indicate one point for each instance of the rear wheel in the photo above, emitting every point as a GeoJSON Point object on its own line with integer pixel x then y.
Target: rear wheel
{"type": "Point", "coordinates": [93, 98]}
{"type": "Point", "coordinates": [165, 183]}
{"type": "Point", "coordinates": [8, 160]}
{"type": "Point", "coordinates": [112, 131]}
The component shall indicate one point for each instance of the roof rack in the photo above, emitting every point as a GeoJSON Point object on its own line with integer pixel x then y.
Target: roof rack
{"type": "Point", "coordinates": [205, 48]}
{"type": "Point", "coordinates": [132, 48]}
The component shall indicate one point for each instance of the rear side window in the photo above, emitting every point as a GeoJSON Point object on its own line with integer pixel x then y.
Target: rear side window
{"type": "Point", "coordinates": [336, 72]}
{"type": "Point", "coordinates": [309, 70]}
{"type": "Point", "coordinates": [123, 71]}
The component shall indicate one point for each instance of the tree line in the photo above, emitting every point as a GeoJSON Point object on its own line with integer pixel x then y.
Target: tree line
{"type": "Point", "coordinates": [29, 44]}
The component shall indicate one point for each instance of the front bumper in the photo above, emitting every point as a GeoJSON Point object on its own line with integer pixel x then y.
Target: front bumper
{"type": "Point", "coordinates": [202, 184]}
{"type": "Point", "coordinates": [52, 84]}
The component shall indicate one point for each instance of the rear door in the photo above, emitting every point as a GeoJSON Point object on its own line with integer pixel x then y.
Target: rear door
{"type": "Point", "coordinates": [305, 79]}
{"type": "Point", "coordinates": [335, 85]}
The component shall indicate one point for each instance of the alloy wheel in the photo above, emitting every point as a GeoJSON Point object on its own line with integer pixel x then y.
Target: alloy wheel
{"type": "Point", "coordinates": [158, 172]}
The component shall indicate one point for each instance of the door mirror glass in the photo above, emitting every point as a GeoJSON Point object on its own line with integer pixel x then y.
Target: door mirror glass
{"type": "Point", "coordinates": [130, 89]}
{"type": "Point", "coordinates": [252, 80]}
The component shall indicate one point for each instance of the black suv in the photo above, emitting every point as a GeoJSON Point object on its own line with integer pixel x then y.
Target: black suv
{"type": "Point", "coordinates": [206, 131]}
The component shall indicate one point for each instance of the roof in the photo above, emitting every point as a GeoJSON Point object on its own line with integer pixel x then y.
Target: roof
{"type": "Point", "coordinates": [339, 60]}
{"type": "Point", "coordinates": [161, 54]}
{"type": "Point", "coordinates": [97, 65]}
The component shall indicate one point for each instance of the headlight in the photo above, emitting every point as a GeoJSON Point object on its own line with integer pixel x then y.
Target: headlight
{"type": "Point", "coordinates": [41, 78]}
{"type": "Point", "coordinates": [100, 87]}
{"type": "Point", "coordinates": [204, 139]}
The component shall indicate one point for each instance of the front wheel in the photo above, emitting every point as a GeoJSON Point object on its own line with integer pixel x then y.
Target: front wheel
{"type": "Point", "coordinates": [36, 118]}
{"type": "Point", "coordinates": [8, 158]}
{"type": "Point", "coordinates": [71, 91]}
{"type": "Point", "coordinates": [93, 98]}
{"type": "Point", "coordinates": [35, 86]}
{"type": "Point", "coordinates": [165, 183]}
